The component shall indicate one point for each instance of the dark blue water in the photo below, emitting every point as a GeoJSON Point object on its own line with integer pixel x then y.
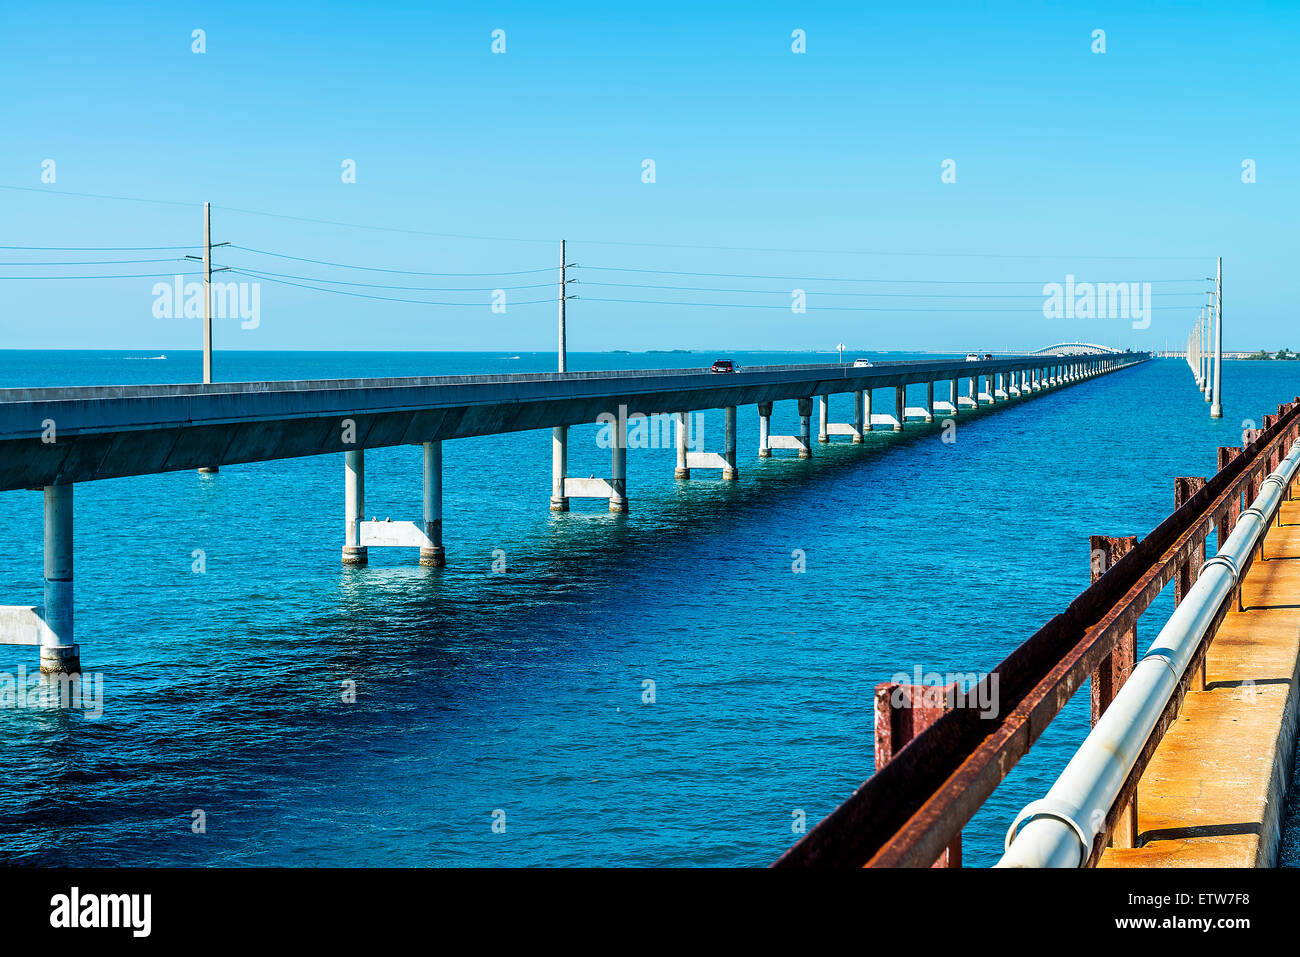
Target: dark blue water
{"type": "Point", "coordinates": [522, 691]}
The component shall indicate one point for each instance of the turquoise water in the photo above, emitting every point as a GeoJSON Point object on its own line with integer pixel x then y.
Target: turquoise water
{"type": "Point", "coordinates": [522, 691]}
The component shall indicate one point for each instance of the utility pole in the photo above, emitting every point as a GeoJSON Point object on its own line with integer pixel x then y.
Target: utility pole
{"type": "Point", "coordinates": [207, 299]}
{"type": "Point", "coordinates": [560, 434]}
{"type": "Point", "coordinates": [1209, 347]}
{"type": "Point", "coordinates": [1216, 407]}
{"type": "Point", "coordinates": [563, 290]}
{"type": "Point", "coordinates": [207, 293]}
{"type": "Point", "coordinates": [207, 290]}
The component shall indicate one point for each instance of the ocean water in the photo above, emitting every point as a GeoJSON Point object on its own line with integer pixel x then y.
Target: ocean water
{"type": "Point", "coordinates": [515, 695]}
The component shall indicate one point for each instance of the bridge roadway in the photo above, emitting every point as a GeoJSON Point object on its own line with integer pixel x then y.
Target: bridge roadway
{"type": "Point", "coordinates": [115, 431]}
{"type": "Point", "coordinates": [53, 438]}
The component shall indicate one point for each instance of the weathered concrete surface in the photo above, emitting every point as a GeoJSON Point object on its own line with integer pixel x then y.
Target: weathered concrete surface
{"type": "Point", "coordinates": [1214, 793]}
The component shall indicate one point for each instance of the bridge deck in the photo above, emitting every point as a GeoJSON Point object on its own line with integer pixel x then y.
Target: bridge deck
{"type": "Point", "coordinates": [115, 431]}
{"type": "Point", "coordinates": [1215, 790]}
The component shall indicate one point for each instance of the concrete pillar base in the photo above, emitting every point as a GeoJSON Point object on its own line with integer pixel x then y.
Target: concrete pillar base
{"type": "Point", "coordinates": [209, 471]}
{"type": "Point", "coordinates": [355, 555]}
{"type": "Point", "coordinates": [618, 506]}
{"type": "Point", "coordinates": [898, 427]}
{"type": "Point", "coordinates": [560, 504]}
{"type": "Point", "coordinates": [823, 438]}
{"type": "Point", "coordinates": [681, 473]}
{"type": "Point", "coordinates": [60, 659]}
{"type": "Point", "coordinates": [433, 556]}
{"type": "Point", "coordinates": [730, 475]}
{"type": "Point", "coordinates": [857, 440]}
{"type": "Point", "coordinates": [764, 453]}
{"type": "Point", "coordinates": [805, 454]}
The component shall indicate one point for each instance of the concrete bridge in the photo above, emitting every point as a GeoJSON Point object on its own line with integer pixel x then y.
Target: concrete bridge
{"type": "Point", "coordinates": [53, 438]}
{"type": "Point", "coordinates": [1076, 349]}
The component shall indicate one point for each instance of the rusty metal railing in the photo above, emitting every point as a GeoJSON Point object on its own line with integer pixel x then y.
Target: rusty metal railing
{"type": "Point", "coordinates": [912, 810]}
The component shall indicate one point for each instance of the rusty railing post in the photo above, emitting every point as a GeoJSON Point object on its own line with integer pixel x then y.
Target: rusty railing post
{"type": "Point", "coordinates": [1114, 669]}
{"type": "Point", "coordinates": [902, 712]}
{"type": "Point", "coordinates": [1185, 486]}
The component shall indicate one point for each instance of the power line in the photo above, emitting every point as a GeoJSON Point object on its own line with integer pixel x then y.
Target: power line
{"type": "Point", "coordinates": [404, 272]}
{"type": "Point", "coordinates": [385, 229]}
{"type": "Point", "coordinates": [610, 242]}
{"type": "Point", "coordinates": [165, 275]}
{"type": "Point", "coordinates": [374, 285]}
{"type": "Point", "coordinates": [97, 249]}
{"type": "Point", "coordinates": [362, 295]}
{"type": "Point", "coordinates": [937, 282]}
{"type": "Point", "coordinates": [755, 305]}
{"type": "Point", "coordinates": [872, 295]}
{"type": "Point", "coordinates": [94, 262]}
{"type": "Point", "coordinates": [126, 199]}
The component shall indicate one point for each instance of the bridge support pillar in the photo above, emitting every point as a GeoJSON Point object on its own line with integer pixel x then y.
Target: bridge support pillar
{"type": "Point", "coordinates": [729, 471]}
{"type": "Point", "coordinates": [559, 468]}
{"type": "Point", "coordinates": [805, 427]}
{"type": "Point", "coordinates": [900, 407]}
{"type": "Point", "coordinates": [58, 653]}
{"type": "Point", "coordinates": [823, 418]}
{"type": "Point", "coordinates": [857, 416]}
{"type": "Point", "coordinates": [433, 555]}
{"type": "Point", "coordinates": [683, 425]}
{"type": "Point", "coordinates": [618, 467]}
{"type": "Point", "coordinates": [866, 411]}
{"type": "Point", "coordinates": [764, 429]}
{"type": "Point", "coordinates": [354, 506]}
{"type": "Point", "coordinates": [952, 396]}
{"type": "Point", "coordinates": [929, 401]}
{"type": "Point", "coordinates": [991, 383]}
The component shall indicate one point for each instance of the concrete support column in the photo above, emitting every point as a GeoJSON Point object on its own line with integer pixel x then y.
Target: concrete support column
{"type": "Point", "coordinates": [764, 429]}
{"type": "Point", "coordinates": [975, 391]}
{"type": "Point", "coordinates": [683, 426]}
{"type": "Point", "coordinates": [929, 402]}
{"type": "Point", "coordinates": [866, 410]}
{"type": "Point", "coordinates": [59, 655]}
{"type": "Point", "coordinates": [729, 471]}
{"type": "Point", "coordinates": [354, 506]}
{"type": "Point", "coordinates": [857, 416]}
{"type": "Point", "coordinates": [823, 418]}
{"type": "Point", "coordinates": [900, 407]}
{"type": "Point", "coordinates": [434, 555]}
{"type": "Point", "coordinates": [618, 467]}
{"type": "Point", "coordinates": [952, 396]}
{"type": "Point", "coordinates": [559, 468]}
{"type": "Point", "coordinates": [991, 382]}
{"type": "Point", "coordinates": [805, 427]}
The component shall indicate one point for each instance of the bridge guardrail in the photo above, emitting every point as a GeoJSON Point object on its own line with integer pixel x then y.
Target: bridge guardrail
{"type": "Point", "coordinates": [914, 807]}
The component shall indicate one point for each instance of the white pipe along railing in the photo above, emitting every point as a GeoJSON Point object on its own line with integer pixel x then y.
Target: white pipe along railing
{"type": "Point", "coordinates": [1059, 829]}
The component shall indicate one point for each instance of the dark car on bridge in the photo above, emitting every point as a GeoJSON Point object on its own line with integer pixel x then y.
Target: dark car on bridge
{"type": "Point", "coordinates": [722, 365]}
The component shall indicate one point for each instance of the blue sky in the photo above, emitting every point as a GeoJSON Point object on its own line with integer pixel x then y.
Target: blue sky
{"type": "Point", "coordinates": [803, 167]}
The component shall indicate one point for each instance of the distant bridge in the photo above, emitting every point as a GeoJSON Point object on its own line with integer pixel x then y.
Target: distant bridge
{"type": "Point", "coordinates": [1075, 349]}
